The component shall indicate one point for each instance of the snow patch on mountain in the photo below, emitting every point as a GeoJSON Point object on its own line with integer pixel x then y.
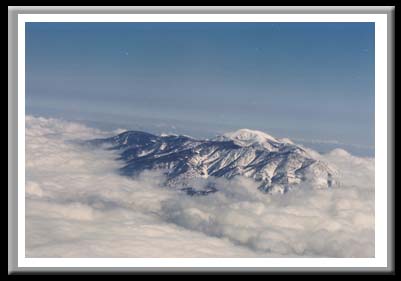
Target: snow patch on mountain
{"type": "Point", "coordinates": [249, 137]}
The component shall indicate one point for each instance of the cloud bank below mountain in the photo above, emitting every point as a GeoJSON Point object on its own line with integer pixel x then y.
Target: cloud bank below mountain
{"type": "Point", "coordinates": [78, 206]}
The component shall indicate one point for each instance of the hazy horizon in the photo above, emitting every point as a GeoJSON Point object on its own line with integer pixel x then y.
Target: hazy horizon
{"type": "Point", "coordinates": [310, 82]}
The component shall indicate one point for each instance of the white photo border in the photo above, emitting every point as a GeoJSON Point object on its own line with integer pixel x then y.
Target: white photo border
{"type": "Point", "coordinates": [380, 259]}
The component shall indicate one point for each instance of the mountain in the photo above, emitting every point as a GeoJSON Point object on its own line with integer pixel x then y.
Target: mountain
{"type": "Point", "coordinates": [276, 164]}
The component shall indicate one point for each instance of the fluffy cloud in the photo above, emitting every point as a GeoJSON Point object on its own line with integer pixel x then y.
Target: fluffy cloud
{"type": "Point", "coordinates": [78, 206]}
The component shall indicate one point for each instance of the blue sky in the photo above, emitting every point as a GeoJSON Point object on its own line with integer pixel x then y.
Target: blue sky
{"type": "Point", "coordinates": [312, 82]}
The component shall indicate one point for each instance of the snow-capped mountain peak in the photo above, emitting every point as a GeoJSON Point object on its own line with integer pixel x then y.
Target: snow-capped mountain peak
{"type": "Point", "coordinates": [286, 140]}
{"type": "Point", "coordinates": [248, 136]}
{"type": "Point", "coordinates": [276, 164]}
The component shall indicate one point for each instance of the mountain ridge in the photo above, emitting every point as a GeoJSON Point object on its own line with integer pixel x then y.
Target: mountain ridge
{"type": "Point", "coordinates": [277, 165]}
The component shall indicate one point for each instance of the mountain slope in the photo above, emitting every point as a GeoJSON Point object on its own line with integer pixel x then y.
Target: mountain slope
{"type": "Point", "coordinates": [276, 164]}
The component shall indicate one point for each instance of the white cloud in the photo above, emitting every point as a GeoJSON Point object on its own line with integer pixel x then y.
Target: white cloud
{"type": "Point", "coordinates": [78, 206]}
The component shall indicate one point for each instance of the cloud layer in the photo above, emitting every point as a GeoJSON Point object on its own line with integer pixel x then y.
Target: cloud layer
{"type": "Point", "coordinates": [78, 206]}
